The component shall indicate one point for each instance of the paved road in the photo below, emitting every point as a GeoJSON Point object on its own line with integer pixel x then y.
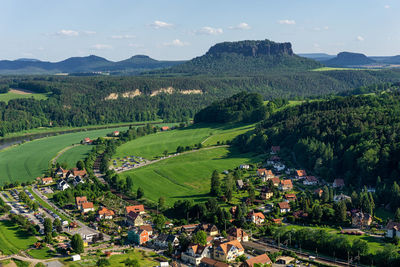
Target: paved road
{"type": "Point", "coordinates": [168, 157]}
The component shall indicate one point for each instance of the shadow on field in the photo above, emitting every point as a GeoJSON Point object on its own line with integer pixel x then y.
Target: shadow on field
{"type": "Point", "coordinates": [195, 198]}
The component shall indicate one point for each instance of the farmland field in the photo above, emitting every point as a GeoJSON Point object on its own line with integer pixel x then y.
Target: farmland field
{"type": "Point", "coordinates": [27, 161]}
{"type": "Point", "coordinates": [12, 239]}
{"type": "Point", "coordinates": [186, 176]}
{"type": "Point", "coordinates": [12, 95]}
{"type": "Point", "coordinates": [154, 145]}
{"type": "Point", "coordinates": [71, 156]}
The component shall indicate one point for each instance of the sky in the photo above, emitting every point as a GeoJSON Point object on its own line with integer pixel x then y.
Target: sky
{"type": "Point", "coordinates": [54, 30]}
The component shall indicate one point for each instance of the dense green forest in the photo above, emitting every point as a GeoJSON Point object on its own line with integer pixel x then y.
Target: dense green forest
{"type": "Point", "coordinates": [79, 101]}
{"type": "Point", "coordinates": [355, 137]}
{"type": "Point", "coordinates": [242, 107]}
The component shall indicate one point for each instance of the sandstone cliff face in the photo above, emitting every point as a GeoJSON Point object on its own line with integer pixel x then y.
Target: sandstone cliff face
{"type": "Point", "coordinates": [252, 48]}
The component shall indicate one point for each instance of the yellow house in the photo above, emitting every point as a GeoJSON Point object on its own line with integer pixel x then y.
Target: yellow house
{"type": "Point", "coordinates": [228, 251]}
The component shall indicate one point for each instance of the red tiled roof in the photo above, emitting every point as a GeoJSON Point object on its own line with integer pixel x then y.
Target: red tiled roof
{"type": "Point", "coordinates": [80, 200]}
{"type": "Point", "coordinates": [47, 179]}
{"type": "Point", "coordinates": [311, 179]}
{"type": "Point", "coordinates": [259, 215]}
{"type": "Point", "coordinates": [136, 208]}
{"type": "Point", "coordinates": [301, 173]}
{"type": "Point", "coordinates": [106, 212]}
{"type": "Point", "coordinates": [87, 205]}
{"type": "Point", "coordinates": [261, 259]}
{"type": "Point", "coordinates": [287, 182]}
{"type": "Point", "coordinates": [284, 205]}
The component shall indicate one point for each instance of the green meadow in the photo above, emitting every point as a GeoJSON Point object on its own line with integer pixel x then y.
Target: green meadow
{"type": "Point", "coordinates": [10, 95]}
{"type": "Point", "coordinates": [154, 145]}
{"type": "Point", "coordinates": [12, 239]}
{"type": "Point", "coordinates": [29, 160]}
{"type": "Point", "coordinates": [186, 176]}
{"type": "Point", "coordinates": [71, 156]}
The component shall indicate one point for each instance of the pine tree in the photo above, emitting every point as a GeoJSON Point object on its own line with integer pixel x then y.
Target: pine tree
{"type": "Point", "coordinates": [397, 215]}
{"type": "Point", "coordinates": [325, 194]}
{"type": "Point", "coordinates": [215, 184]}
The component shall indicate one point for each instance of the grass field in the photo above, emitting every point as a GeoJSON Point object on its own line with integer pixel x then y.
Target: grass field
{"type": "Point", "coordinates": [43, 253]}
{"type": "Point", "coordinates": [27, 161]}
{"type": "Point", "coordinates": [42, 130]}
{"type": "Point", "coordinates": [12, 239]}
{"type": "Point", "coordinates": [74, 154]}
{"type": "Point", "coordinates": [10, 95]}
{"type": "Point", "coordinates": [154, 145]}
{"type": "Point", "coordinates": [186, 176]}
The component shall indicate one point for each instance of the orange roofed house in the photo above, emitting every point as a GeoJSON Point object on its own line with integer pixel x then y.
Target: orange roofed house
{"type": "Point", "coordinates": [79, 201]}
{"type": "Point", "coordinates": [286, 185]}
{"type": "Point", "coordinates": [136, 209]}
{"type": "Point", "coordinates": [228, 251]}
{"type": "Point", "coordinates": [290, 197]}
{"type": "Point", "coordinates": [47, 180]}
{"type": "Point", "coordinates": [164, 128]}
{"type": "Point", "coordinates": [300, 174]}
{"type": "Point", "coordinates": [257, 217]}
{"type": "Point", "coordinates": [105, 213]}
{"type": "Point", "coordinates": [87, 206]}
{"type": "Point", "coordinates": [265, 174]}
{"type": "Point", "coordinates": [237, 234]}
{"type": "Point", "coordinates": [260, 260]}
{"type": "Point", "coordinates": [284, 207]}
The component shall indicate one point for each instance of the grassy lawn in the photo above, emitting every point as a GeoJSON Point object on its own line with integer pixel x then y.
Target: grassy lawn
{"type": "Point", "coordinates": [12, 239]}
{"type": "Point", "coordinates": [154, 145]}
{"type": "Point", "coordinates": [10, 95]}
{"type": "Point", "coordinates": [330, 69]}
{"type": "Point", "coordinates": [27, 161]}
{"type": "Point", "coordinates": [74, 154]}
{"type": "Point", "coordinates": [228, 135]}
{"type": "Point", "coordinates": [186, 176]}
{"type": "Point", "coordinates": [145, 259]}
{"type": "Point", "coordinates": [43, 253]}
{"type": "Point", "coordinates": [61, 129]}
{"type": "Point", "coordinates": [374, 243]}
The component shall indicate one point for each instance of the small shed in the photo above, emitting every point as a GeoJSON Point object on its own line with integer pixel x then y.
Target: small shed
{"type": "Point", "coordinates": [76, 257]}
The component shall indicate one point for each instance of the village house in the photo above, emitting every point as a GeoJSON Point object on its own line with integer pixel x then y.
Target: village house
{"type": "Point", "coordinates": [189, 228]}
{"type": "Point", "coordinates": [229, 251]}
{"type": "Point", "coordinates": [341, 197]}
{"type": "Point", "coordinates": [86, 207]}
{"type": "Point", "coordinates": [284, 207]}
{"type": "Point", "coordinates": [318, 192]}
{"type": "Point", "coordinates": [62, 185]}
{"type": "Point", "coordinates": [338, 183]}
{"type": "Point", "coordinates": [195, 253]}
{"type": "Point", "coordinates": [77, 180]}
{"type": "Point", "coordinates": [47, 180]}
{"type": "Point", "coordinates": [136, 209]}
{"type": "Point", "coordinates": [208, 262]}
{"type": "Point", "coordinates": [301, 174]}
{"type": "Point", "coordinates": [265, 174]}
{"type": "Point", "coordinates": [290, 197]}
{"type": "Point", "coordinates": [276, 181]}
{"type": "Point", "coordinates": [79, 201]}
{"type": "Point", "coordinates": [260, 260]}
{"type": "Point", "coordinates": [276, 221]}
{"type": "Point", "coordinates": [115, 133]}
{"type": "Point", "coordinates": [105, 213]}
{"type": "Point", "coordinates": [87, 141]}
{"type": "Point", "coordinates": [244, 167]}
{"type": "Point", "coordinates": [266, 193]}
{"type": "Point", "coordinates": [286, 185]}
{"type": "Point", "coordinates": [310, 180]}
{"type": "Point", "coordinates": [163, 240]}
{"type": "Point", "coordinates": [275, 149]}
{"type": "Point", "coordinates": [256, 217]}
{"type": "Point", "coordinates": [279, 167]}
{"type": "Point", "coordinates": [148, 228]}
{"type": "Point", "coordinates": [393, 229]}
{"type": "Point", "coordinates": [210, 229]}
{"type": "Point", "coordinates": [60, 172]}
{"type": "Point", "coordinates": [240, 184]}
{"type": "Point", "coordinates": [238, 234]}
{"type": "Point", "coordinates": [284, 260]}
{"type": "Point", "coordinates": [138, 237]}
{"type": "Point", "coordinates": [360, 219]}
{"type": "Point", "coordinates": [134, 219]}
{"type": "Point", "coordinates": [164, 128]}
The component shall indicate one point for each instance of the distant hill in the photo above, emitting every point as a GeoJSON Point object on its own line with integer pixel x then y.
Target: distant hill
{"type": "Point", "coordinates": [347, 59]}
{"type": "Point", "coordinates": [245, 57]}
{"type": "Point", "coordinates": [317, 56]}
{"type": "Point", "coordinates": [89, 64]}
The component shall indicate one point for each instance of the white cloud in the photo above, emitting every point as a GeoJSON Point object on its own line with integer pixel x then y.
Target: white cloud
{"type": "Point", "coordinates": [89, 32]}
{"type": "Point", "coordinates": [241, 26]}
{"type": "Point", "coordinates": [287, 22]}
{"type": "Point", "coordinates": [360, 38]}
{"type": "Point", "coordinates": [124, 36]}
{"type": "Point", "coordinates": [325, 28]}
{"type": "Point", "coordinates": [386, 6]}
{"type": "Point", "coordinates": [161, 24]}
{"type": "Point", "coordinates": [69, 33]}
{"type": "Point", "coordinates": [176, 42]}
{"type": "Point", "coordinates": [102, 46]}
{"type": "Point", "coordinates": [135, 45]}
{"type": "Point", "coordinates": [210, 31]}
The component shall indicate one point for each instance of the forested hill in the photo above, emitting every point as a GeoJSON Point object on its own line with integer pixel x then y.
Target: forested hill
{"type": "Point", "coordinates": [356, 138]}
{"type": "Point", "coordinates": [245, 58]}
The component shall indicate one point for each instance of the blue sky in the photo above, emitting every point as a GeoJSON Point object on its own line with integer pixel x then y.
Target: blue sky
{"type": "Point", "coordinates": [181, 29]}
